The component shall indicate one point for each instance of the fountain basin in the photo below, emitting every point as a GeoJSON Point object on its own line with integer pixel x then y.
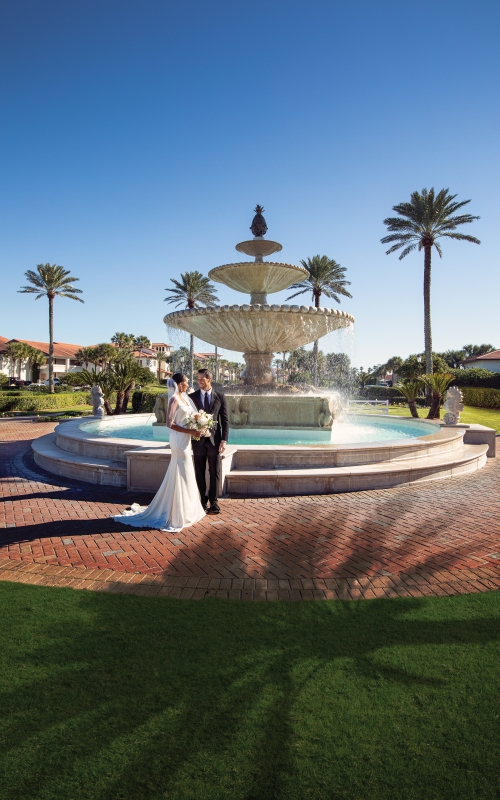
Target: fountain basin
{"type": "Point", "coordinates": [259, 328]}
{"type": "Point", "coordinates": [427, 452]}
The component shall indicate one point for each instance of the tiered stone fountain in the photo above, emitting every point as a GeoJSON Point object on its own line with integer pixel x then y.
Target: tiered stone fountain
{"type": "Point", "coordinates": [114, 451]}
{"type": "Point", "coordinates": [258, 329]}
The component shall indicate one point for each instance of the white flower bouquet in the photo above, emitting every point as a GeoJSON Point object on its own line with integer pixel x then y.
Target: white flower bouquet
{"type": "Point", "coordinates": [198, 421]}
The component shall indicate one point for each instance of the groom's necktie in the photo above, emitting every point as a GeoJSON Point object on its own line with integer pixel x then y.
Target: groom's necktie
{"type": "Point", "coordinates": [207, 403]}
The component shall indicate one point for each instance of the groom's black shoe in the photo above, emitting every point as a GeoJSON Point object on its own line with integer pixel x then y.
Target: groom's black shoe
{"type": "Point", "coordinates": [204, 504]}
{"type": "Point", "coordinates": [214, 508]}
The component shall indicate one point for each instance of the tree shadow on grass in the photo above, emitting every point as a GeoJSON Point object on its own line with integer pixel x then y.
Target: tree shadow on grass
{"type": "Point", "coordinates": [121, 697]}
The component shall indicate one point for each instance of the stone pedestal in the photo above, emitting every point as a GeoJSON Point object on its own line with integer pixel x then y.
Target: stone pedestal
{"type": "Point", "coordinates": [258, 370]}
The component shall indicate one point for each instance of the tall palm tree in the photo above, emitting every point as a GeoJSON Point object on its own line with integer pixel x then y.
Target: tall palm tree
{"type": "Point", "coordinates": [325, 277]}
{"type": "Point", "coordinates": [193, 290]}
{"type": "Point", "coordinates": [427, 217]}
{"type": "Point", "coordinates": [51, 281]}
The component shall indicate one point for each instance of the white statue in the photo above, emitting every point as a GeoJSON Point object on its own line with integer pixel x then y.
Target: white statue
{"type": "Point", "coordinates": [97, 398]}
{"type": "Point", "coordinates": [453, 406]}
{"type": "Point", "coordinates": [161, 407]}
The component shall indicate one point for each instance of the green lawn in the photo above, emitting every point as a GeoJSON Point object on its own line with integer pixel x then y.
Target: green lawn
{"type": "Point", "coordinates": [109, 697]}
{"type": "Point", "coordinates": [481, 416]}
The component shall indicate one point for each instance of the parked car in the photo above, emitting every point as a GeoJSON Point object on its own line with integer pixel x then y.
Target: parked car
{"type": "Point", "coordinates": [56, 382]}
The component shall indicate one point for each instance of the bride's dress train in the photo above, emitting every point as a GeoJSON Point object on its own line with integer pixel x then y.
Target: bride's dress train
{"type": "Point", "coordinates": [176, 505]}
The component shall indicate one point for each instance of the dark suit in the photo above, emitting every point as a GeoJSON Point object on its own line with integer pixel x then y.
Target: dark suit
{"type": "Point", "coordinates": [207, 449]}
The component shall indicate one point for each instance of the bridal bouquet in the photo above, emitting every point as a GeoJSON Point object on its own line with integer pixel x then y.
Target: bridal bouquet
{"type": "Point", "coordinates": [199, 420]}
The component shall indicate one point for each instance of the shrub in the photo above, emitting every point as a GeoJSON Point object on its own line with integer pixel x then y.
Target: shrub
{"type": "Point", "coordinates": [22, 401]}
{"type": "Point", "coordinates": [483, 378]}
{"type": "Point", "coordinates": [389, 393]}
{"type": "Point", "coordinates": [144, 402]}
{"type": "Point", "coordinates": [481, 398]}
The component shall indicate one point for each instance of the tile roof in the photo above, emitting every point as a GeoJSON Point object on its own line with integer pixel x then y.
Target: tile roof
{"type": "Point", "coordinates": [494, 356]}
{"type": "Point", "coordinates": [61, 349]}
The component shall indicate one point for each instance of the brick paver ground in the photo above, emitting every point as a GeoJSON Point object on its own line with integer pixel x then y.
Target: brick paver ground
{"type": "Point", "coordinates": [429, 539]}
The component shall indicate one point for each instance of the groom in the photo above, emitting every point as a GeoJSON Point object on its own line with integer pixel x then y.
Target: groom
{"type": "Point", "coordinates": [210, 447]}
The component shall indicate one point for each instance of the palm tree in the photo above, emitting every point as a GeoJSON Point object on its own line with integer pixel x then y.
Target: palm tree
{"type": "Point", "coordinates": [17, 352]}
{"type": "Point", "coordinates": [123, 341]}
{"type": "Point", "coordinates": [438, 383]}
{"type": "Point", "coordinates": [101, 379]}
{"type": "Point", "coordinates": [51, 281]}
{"type": "Point", "coordinates": [106, 354]}
{"type": "Point", "coordinates": [392, 365]}
{"type": "Point", "coordinates": [35, 358]}
{"type": "Point", "coordinates": [411, 389]}
{"type": "Point", "coordinates": [194, 290]}
{"type": "Point", "coordinates": [426, 218]}
{"type": "Point", "coordinates": [326, 277]}
{"type": "Point", "coordinates": [123, 376]}
{"type": "Point", "coordinates": [141, 341]}
{"type": "Point", "coordinates": [87, 355]}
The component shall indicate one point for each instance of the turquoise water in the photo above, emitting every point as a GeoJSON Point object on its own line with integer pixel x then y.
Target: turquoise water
{"type": "Point", "coordinates": [362, 430]}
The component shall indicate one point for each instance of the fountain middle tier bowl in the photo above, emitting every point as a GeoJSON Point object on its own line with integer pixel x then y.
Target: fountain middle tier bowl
{"type": "Point", "coordinates": [252, 277]}
{"type": "Point", "coordinates": [259, 329]}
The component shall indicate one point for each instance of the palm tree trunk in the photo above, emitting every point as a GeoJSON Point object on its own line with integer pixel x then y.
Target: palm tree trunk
{"type": "Point", "coordinates": [191, 359]}
{"type": "Point", "coordinates": [315, 363]}
{"type": "Point", "coordinates": [51, 344]}
{"type": "Point", "coordinates": [126, 396]}
{"type": "Point", "coordinates": [435, 409]}
{"type": "Point", "coordinates": [413, 408]}
{"type": "Point", "coordinates": [427, 316]}
{"type": "Point", "coordinates": [107, 408]}
{"type": "Point", "coordinates": [119, 402]}
{"type": "Point", "coordinates": [317, 297]}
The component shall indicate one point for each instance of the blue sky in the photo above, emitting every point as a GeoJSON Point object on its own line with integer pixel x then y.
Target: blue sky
{"type": "Point", "coordinates": [137, 137]}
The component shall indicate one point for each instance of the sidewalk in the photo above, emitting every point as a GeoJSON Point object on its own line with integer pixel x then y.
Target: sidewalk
{"type": "Point", "coordinates": [433, 539]}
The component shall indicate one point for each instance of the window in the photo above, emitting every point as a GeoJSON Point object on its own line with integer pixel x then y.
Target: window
{"type": "Point", "coordinates": [59, 361]}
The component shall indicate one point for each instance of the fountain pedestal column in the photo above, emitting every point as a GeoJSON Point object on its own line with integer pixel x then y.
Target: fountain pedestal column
{"type": "Point", "coordinates": [258, 370]}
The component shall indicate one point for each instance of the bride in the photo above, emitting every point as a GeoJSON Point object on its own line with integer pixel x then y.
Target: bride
{"type": "Point", "coordinates": [176, 505]}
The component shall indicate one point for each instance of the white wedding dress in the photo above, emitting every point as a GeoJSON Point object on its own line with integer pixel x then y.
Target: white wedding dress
{"type": "Point", "coordinates": [176, 505]}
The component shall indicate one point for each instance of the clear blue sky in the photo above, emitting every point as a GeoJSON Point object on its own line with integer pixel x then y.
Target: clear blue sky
{"type": "Point", "coordinates": [137, 136]}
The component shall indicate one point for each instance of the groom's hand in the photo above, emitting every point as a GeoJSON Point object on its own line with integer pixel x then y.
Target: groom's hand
{"type": "Point", "coordinates": [222, 447]}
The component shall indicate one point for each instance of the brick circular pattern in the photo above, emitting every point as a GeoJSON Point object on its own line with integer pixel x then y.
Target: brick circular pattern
{"type": "Point", "coordinates": [427, 539]}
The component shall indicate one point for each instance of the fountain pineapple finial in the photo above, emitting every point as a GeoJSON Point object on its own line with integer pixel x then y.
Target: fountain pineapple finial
{"type": "Point", "coordinates": [258, 226]}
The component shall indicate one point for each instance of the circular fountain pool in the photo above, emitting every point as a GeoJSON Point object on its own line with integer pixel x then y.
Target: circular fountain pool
{"type": "Point", "coordinates": [352, 429]}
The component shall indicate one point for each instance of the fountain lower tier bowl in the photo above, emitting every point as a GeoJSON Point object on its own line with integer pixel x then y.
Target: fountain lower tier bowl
{"type": "Point", "coordinates": [259, 330]}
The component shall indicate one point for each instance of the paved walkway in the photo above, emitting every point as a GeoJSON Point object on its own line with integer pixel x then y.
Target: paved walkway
{"type": "Point", "coordinates": [433, 539]}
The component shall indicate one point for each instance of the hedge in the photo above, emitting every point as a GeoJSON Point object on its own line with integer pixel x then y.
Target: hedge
{"type": "Point", "coordinates": [380, 393]}
{"type": "Point", "coordinates": [33, 402]}
{"type": "Point", "coordinates": [143, 402]}
{"type": "Point", "coordinates": [483, 378]}
{"type": "Point", "coordinates": [481, 398]}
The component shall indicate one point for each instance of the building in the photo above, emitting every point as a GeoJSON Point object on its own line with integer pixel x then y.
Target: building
{"type": "Point", "coordinates": [163, 352]}
{"type": "Point", "coordinates": [489, 361]}
{"type": "Point", "coordinates": [65, 361]}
